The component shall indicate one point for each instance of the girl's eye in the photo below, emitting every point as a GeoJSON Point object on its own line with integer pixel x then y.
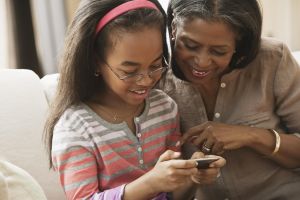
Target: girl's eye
{"type": "Point", "coordinates": [156, 66]}
{"type": "Point", "coordinates": [128, 73]}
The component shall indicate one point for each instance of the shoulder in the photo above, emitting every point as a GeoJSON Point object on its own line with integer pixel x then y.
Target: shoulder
{"type": "Point", "coordinates": [77, 121]}
{"type": "Point", "coordinates": [157, 95]}
{"type": "Point", "coordinates": [73, 115]}
{"type": "Point", "coordinates": [160, 101]}
{"type": "Point", "coordinates": [273, 50]}
{"type": "Point", "coordinates": [273, 54]}
{"type": "Point", "coordinates": [74, 129]}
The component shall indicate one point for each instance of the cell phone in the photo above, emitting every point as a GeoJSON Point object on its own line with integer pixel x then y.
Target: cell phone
{"type": "Point", "coordinates": [203, 163]}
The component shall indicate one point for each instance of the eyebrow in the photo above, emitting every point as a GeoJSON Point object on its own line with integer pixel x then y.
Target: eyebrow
{"type": "Point", "coordinates": [187, 39]}
{"type": "Point", "coordinates": [131, 63]}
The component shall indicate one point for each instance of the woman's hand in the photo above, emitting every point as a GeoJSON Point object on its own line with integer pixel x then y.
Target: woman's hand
{"type": "Point", "coordinates": [215, 138]}
{"type": "Point", "coordinates": [207, 176]}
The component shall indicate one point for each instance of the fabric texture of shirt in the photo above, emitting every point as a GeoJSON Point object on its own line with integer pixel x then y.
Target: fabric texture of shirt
{"type": "Point", "coordinates": [264, 94]}
{"type": "Point", "coordinates": [95, 158]}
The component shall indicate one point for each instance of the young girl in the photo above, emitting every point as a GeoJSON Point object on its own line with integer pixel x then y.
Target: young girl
{"type": "Point", "coordinates": [110, 136]}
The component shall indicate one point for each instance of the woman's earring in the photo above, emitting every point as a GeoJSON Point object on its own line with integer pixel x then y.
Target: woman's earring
{"type": "Point", "coordinates": [173, 38]}
{"type": "Point", "coordinates": [96, 74]}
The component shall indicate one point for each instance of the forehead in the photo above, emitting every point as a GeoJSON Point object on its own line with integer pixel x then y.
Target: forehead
{"type": "Point", "coordinates": [136, 45]}
{"type": "Point", "coordinates": [197, 29]}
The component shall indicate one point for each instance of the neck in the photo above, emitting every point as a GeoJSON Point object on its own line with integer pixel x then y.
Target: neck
{"type": "Point", "coordinates": [114, 110]}
{"type": "Point", "coordinates": [209, 86]}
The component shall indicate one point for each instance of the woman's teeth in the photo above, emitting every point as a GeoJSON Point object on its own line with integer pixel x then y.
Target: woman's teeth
{"type": "Point", "coordinates": [200, 73]}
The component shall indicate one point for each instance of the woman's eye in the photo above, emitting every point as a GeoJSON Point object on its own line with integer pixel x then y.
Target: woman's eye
{"type": "Point", "coordinates": [189, 46]}
{"type": "Point", "coordinates": [219, 53]}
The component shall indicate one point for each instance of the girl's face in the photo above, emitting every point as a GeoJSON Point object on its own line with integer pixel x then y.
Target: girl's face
{"type": "Point", "coordinates": [132, 57]}
{"type": "Point", "coordinates": [203, 50]}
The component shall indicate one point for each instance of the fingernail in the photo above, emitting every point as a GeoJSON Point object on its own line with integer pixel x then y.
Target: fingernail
{"type": "Point", "coordinates": [177, 144]}
{"type": "Point", "coordinates": [177, 153]}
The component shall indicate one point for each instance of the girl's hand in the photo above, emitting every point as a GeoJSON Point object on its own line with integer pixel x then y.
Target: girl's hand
{"type": "Point", "coordinates": [207, 176]}
{"type": "Point", "coordinates": [171, 173]}
{"type": "Point", "coordinates": [215, 138]}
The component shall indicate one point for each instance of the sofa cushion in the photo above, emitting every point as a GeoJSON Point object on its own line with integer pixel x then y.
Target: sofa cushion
{"type": "Point", "coordinates": [16, 183]}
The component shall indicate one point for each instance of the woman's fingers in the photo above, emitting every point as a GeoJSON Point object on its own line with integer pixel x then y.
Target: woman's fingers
{"type": "Point", "coordinates": [218, 148]}
{"type": "Point", "coordinates": [194, 131]}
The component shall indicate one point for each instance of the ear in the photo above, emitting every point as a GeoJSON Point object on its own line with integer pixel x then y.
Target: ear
{"type": "Point", "coordinates": [97, 69]}
{"type": "Point", "coordinates": [173, 28]}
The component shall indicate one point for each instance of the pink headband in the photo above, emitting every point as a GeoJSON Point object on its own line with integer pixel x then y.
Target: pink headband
{"type": "Point", "coordinates": [125, 7]}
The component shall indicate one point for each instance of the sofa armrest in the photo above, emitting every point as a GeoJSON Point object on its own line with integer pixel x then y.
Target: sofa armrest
{"type": "Point", "coordinates": [49, 83]}
{"type": "Point", "coordinates": [23, 113]}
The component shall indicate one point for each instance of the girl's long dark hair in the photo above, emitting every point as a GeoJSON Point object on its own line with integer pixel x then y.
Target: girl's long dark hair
{"type": "Point", "coordinates": [83, 49]}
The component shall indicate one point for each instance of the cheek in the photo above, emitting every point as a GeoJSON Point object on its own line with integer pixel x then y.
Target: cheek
{"type": "Point", "coordinates": [181, 56]}
{"type": "Point", "coordinates": [179, 52]}
{"type": "Point", "coordinates": [223, 63]}
{"type": "Point", "coordinates": [113, 83]}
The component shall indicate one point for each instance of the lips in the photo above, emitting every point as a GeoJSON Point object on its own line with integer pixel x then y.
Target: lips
{"type": "Point", "coordinates": [140, 94]}
{"type": "Point", "coordinates": [138, 91]}
{"type": "Point", "coordinates": [200, 73]}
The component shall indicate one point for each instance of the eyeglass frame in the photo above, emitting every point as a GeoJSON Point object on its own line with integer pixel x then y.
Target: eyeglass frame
{"type": "Point", "coordinates": [141, 75]}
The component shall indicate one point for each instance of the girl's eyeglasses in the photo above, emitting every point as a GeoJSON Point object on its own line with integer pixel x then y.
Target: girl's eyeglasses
{"type": "Point", "coordinates": [136, 77]}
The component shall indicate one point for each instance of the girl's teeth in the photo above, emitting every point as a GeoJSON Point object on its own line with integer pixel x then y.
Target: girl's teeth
{"type": "Point", "coordinates": [139, 91]}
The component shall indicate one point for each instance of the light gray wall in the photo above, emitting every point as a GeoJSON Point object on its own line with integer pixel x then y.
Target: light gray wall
{"type": "Point", "coordinates": [281, 21]}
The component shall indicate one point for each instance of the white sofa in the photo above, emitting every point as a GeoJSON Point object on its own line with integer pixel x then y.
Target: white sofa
{"type": "Point", "coordinates": [23, 108]}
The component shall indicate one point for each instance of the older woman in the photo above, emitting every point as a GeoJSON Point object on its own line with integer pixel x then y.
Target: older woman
{"type": "Point", "coordinates": [238, 96]}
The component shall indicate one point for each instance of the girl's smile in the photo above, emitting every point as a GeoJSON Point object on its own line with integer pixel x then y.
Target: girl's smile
{"type": "Point", "coordinates": [128, 65]}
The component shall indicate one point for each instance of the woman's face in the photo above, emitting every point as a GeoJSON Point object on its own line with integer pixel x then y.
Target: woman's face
{"type": "Point", "coordinates": [132, 54]}
{"type": "Point", "coordinates": [203, 50]}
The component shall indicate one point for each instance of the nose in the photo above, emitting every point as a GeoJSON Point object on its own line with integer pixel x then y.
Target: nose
{"type": "Point", "coordinates": [202, 60]}
{"type": "Point", "coordinates": [145, 80]}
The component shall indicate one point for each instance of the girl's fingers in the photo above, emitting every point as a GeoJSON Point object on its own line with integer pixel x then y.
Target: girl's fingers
{"type": "Point", "coordinates": [219, 163]}
{"type": "Point", "coordinates": [183, 164]}
{"type": "Point", "coordinates": [169, 155]}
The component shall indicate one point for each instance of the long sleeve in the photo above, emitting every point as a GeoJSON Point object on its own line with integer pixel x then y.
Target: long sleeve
{"type": "Point", "coordinates": [77, 168]}
{"type": "Point", "coordinates": [287, 91]}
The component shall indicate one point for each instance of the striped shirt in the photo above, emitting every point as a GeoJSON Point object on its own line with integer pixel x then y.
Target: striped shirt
{"type": "Point", "coordinates": [95, 158]}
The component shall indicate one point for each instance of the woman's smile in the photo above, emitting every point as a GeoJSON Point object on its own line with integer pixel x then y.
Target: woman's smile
{"type": "Point", "coordinates": [200, 73]}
